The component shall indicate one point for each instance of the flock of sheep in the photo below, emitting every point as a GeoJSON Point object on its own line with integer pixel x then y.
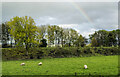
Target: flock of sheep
{"type": "Point", "coordinates": [23, 64]}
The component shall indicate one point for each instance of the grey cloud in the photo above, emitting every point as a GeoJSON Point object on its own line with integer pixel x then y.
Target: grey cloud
{"type": "Point", "coordinates": [104, 15]}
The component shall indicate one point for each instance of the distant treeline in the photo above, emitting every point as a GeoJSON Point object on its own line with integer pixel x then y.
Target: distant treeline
{"type": "Point", "coordinates": [105, 38]}
{"type": "Point", "coordinates": [25, 33]}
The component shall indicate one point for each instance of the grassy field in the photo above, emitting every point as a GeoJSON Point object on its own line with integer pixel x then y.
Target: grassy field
{"type": "Point", "coordinates": [97, 65]}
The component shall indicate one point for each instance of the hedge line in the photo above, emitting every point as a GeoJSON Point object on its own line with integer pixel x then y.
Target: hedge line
{"type": "Point", "coordinates": [56, 52]}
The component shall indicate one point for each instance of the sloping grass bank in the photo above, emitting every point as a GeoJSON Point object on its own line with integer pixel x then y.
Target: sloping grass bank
{"type": "Point", "coordinates": [97, 65]}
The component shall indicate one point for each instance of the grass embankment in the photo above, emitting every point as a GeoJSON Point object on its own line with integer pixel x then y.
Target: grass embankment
{"type": "Point", "coordinates": [97, 65]}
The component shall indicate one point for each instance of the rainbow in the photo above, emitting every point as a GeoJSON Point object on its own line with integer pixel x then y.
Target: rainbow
{"type": "Point", "coordinates": [81, 11]}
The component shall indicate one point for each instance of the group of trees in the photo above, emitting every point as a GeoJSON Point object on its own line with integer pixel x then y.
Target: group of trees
{"type": "Point", "coordinates": [24, 32]}
{"type": "Point", "coordinates": [66, 37]}
{"type": "Point", "coordinates": [105, 38]}
{"type": "Point", "coordinates": [4, 34]}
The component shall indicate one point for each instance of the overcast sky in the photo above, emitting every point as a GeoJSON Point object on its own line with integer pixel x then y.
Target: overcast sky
{"type": "Point", "coordinates": [85, 17]}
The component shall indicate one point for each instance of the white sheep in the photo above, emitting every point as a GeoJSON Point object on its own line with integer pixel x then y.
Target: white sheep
{"type": "Point", "coordinates": [40, 63]}
{"type": "Point", "coordinates": [22, 64]}
{"type": "Point", "coordinates": [85, 66]}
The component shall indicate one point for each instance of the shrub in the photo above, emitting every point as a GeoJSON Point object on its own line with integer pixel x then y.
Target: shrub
{"type": "Point", "coordinates": [56, 52]}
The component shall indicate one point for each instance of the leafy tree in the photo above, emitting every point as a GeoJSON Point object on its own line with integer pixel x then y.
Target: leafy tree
{"type": "Point", "coordinates": [57, 34]}
{"type": "Point", "coordinates": [66, 37]}
{"type": "Point", "coordinates": [43, 43]}
{"type": "Point", "coordinates": [94, 42]}
{"type": "Point", "coordinates": [106, 38]}
{"type": "Point", "coordinates": [118, 36]}
{"type": "Point", "coordinates": [5, 34]}
{"type": "Point", "coordinates": [61, 35]}
{"type": "Point", "coordinates": [69, 37]}
{"type": "Point", "coordinates": [112, 38]}
{"type": "Point", "coordinates": [85, 40]}
{"type": "Point", "coordinates": [15, 28]}
{"type": "Point", "coordinates": [41, 32]}
{"type": "Point", "coordinates": [54, 35]}
{"type": "Point", "coordinates": [101, 36]}
{"type": "Point", "coordinates": [80, 41]}
{"type": "Point", "coordinates": [73, 36]}
{"type": "Point", "coordinates": [50, 34]}
{"type": "Point", "coordinates": [23, 30]}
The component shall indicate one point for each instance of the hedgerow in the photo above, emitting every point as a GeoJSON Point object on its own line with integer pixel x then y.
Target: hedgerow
{"type": "Point", "coordinates": [56, 52]}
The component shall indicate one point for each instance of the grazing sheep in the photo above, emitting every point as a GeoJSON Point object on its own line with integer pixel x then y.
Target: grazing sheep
{"type": "Point", "coordinates": [85, 66]}
{"type": "Point", "coordinates": [40, 63]}
{"type": "Point", "coordinates": [22, 64]}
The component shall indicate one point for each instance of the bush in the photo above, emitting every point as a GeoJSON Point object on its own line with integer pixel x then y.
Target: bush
{"type": "Point", "coordinates": [56, 52]}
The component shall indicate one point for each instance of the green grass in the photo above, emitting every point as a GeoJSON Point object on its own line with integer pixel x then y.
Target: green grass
{"type": "Point", "coordinates": [97, 65]}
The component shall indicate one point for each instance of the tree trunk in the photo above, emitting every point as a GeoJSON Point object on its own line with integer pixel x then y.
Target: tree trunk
{"type": "Point", "coordinates": [27, 48]}
{"type": "Point", "coordinates": [11, 42]}
{"type": "Point", "coordinates": [62, 41]}
{"type": "Point", "coordinates": [118, 41]}
{"type": "Point", "coordinates": [15, 42]}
